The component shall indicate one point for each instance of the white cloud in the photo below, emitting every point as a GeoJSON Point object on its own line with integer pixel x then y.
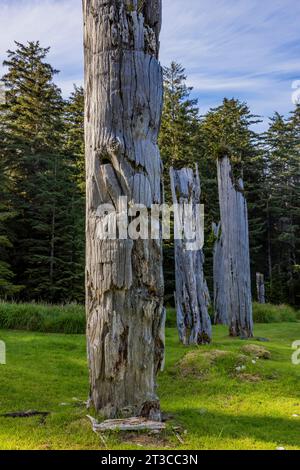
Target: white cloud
{"type": "Point", "coordinates": [243, 48]}
{"type": "Point", "coordinates": [55, 23]}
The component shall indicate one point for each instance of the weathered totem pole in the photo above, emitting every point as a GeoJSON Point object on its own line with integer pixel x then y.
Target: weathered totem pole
{"type": "Point", "coordinates": [124, 277]}
{"type": "Point", "coordinates": [260, 288]}
{"type": "Point", "coordinates": [192, 296]}
{"type": "Point", "coordinates": [236, 256]}
{"type": "Point", "coordinates": [220, 293]}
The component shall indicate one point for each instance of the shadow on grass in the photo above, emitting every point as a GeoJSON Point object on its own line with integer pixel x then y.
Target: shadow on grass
{"type": "Point", "coordinates": [284, 431]}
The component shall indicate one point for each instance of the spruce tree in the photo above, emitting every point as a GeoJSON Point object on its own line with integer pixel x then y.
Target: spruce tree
{"type": "Point", "coordinates": [74, 149]}
{"type": "Point", "coordinates": [7, 286]}
{"type": "Point", "coordinates": [294, 130]}
{"type": "Point", "coordinates": [178, 141]}
{"type": "Point", "coordinates": [179, 128]}
{"type": "Point", "coordinates": [283, 158]}
{"type": "Point", "coordinates": [7, 214]}
{"type": "Point", "coordinates": [40, 173]}
{"type": "Point", "coordinates": [228, 130]}
{"type": "Point", "coordinates": [74, 141]}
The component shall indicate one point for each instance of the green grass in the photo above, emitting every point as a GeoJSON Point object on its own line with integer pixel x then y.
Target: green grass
{"type": "Point", "coordinates": [70, 319]}
{"type": "Point", "coordinates": [262, 313]}
{"type": "Point", "coordinates": [268, 313]}
{"type": "Point", "coordinates": [213, 405]}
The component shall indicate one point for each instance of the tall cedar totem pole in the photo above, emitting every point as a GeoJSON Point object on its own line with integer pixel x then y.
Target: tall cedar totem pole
{"type": "Point", "coordinates": [235, 289]}
{"type": "Point", "coordinates": [192, 296]}
{"type": "Point", "coordinates": [124, 278]}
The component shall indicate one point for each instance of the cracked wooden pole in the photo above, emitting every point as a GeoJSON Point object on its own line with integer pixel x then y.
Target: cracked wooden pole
{"type": "Point", "coordinates": [260, 288]}
{"type": "Point", "coordinates": [234, 225]}
{"type": "Point", "coordinates": [220, 303]}
{"type": "Point", "coordinates": [124, 277]}
{"type": "Point", "coordinates": [192, 296]}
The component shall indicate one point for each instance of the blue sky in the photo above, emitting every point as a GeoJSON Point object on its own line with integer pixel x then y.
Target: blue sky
{"type": "Point", "coordinates": [249, 49]}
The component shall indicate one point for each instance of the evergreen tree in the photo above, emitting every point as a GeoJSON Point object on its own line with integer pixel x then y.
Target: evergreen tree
{"type": "Point", "coordinates": [283, 157]}
{"type": "Point", "coordinates": [42, 181]}
{"type": "Point", "coordinates": [74, 142]}
{"type": "Point", "coordinates": [74, 148]}
{"type": "Point", "coordinates": [228, 130]}
{"type": "Point", "coordinates": [40, 174]}
{"type": "Point", "coordinates": [7, 286]}
{"type": "Point", "coordinates": [178, 146]}
{"type": "Point", "coordinates": [179, 128]}
{"type": "Point", "coordinates": [294, 129]}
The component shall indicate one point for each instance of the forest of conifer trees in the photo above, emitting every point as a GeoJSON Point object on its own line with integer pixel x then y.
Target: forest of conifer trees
{"type": "Point", "coordinates": [42, 181]}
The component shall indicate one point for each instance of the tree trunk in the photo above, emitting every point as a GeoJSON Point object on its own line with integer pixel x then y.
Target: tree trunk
{"type": "Point", "coordinates": [234, 220]}
{"type": "Point", "coordinates": [220, 293]}
{"type": "Point", "coordinates": [124, 278]}
{"type": "Point", "coordinates": [192, 296]}
{"type": "Point", "coordinates": [260, 287]}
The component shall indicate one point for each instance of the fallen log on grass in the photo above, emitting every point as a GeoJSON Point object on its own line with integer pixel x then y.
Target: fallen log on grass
{"type": "Point", "coordinates": [129, 424]}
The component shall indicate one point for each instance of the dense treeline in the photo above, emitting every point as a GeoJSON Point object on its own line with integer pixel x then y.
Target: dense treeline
{"type": "Point", "coordinates": [41, 164]}
{"type": "Point", "coordinates": [42, 181]}
{"type": "Point", "coordinates": [269, 164]}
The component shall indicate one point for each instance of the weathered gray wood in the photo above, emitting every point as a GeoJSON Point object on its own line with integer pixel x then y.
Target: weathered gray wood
{"type": "Point", "coordinates": [192, 296]}
{"type": "Point", "coordinates": [130, 424]}
{"type": "Point", "coordinates": [124, 278]}
{"type": "Point", "coordinates": [234, 225]}
{"type": "Point", "coordinates": [220, 303]}
{"type": "Point", "coordinates": [260, 288]}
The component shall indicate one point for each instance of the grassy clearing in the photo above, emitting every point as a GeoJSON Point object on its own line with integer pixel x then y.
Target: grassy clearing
{"type": "Point", "coordinates": [213, 405]}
